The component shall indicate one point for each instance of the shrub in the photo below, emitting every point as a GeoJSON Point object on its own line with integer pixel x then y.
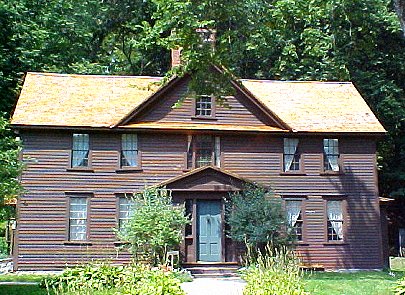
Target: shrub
{"type": "Point", "coordinates": [155, 226]}
{"type": "Point", "coordinates": [114, 280]}
{"type": "Point", "coordinates": [275, 273]}
{"type": "Point", "coordinates": [400, 287]}
{"type": "Point", "coordinates": [257, 218]}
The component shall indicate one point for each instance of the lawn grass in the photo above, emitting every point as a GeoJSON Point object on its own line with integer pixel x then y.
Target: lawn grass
{"type": "Point", "coordinates": [22, 290]}
{"type": "Point", "coordinates": [11, 277]}
{"type": "Point", "coordinates": [355, 283]}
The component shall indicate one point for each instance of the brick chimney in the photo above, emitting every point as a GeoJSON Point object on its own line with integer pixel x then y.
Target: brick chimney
{"type": "Point", "coordinates": [207, 37]}
{"type": "Point", "coordinates": [176, 57]}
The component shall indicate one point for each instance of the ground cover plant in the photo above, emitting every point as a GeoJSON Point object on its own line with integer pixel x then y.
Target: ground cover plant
{"type": "Point", "coordinates": [134, 279]}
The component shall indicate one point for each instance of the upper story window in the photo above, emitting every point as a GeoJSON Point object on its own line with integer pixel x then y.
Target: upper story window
{"type": "Point", "coordinates": [80, 150]}
{"type": "Point", "coordinates": [203, 150]}
{"type": "Point", "coordinates": [334, 211]}
{"type": "Point", "coordinates": [78, 219]}
{"type": "Point", "coordinates": [291, 155]}
{"type": "Point", "coordinates": [295, 219]}
{"type": "Point", "coordinates": [204, 106]}
{"type": "Point", "coordinates": [125, 211]}
{"type": "Point", "coordinates": [331, 154]}
{"type": "Point", "coordinates": [129, 150]}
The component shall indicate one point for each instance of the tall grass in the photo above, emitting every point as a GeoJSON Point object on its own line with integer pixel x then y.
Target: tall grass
{"type": "Point", "coordinates": [274, 272]}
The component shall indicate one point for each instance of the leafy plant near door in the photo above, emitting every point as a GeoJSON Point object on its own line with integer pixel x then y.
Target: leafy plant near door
{"type": "Point", "coordinates": [255, 216]}
{"type": "Point", "coordinates": [155, 226]}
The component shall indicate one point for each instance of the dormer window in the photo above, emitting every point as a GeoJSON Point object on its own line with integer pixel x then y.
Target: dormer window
{"type": "Point", "coordinates": [204, 106]}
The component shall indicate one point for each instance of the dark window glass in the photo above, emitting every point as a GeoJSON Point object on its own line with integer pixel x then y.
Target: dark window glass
{"type": "Point", "coordinates": [203, 106]}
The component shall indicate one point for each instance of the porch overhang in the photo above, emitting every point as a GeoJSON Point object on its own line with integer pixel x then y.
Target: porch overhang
{"type": "Point", "coordinates": [206, 179]}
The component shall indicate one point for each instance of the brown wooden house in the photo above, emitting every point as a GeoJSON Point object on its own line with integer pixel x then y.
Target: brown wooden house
{"type": "Point", "coordinates": [91, 140]}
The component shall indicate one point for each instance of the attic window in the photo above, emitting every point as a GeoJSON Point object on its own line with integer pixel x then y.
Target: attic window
{"type": "Point", "coordinates": [204, 106]}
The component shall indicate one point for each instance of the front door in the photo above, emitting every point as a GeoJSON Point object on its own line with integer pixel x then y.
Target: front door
{"type": "Point", "coordinates": [209, 230]}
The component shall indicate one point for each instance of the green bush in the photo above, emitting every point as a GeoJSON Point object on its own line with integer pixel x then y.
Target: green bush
{"type": "Point", "coordinates": [400, 287]}
{"type": "Point", "coordinates": [274, 273]}
{"type": "Point", "coordinates": [257, 218]}
{"type": "Point", "coordinates": [114, 280]}
{"type": "Point", "coordinates": [155, 226]}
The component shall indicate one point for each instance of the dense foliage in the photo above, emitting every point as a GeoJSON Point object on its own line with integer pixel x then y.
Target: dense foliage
{"type": "Point", "coordinates": [400, 287]}
{"type": "Point", "coordinates": [120, 280]}
{"type": "Point", "coordinates": [155, 226]}
{"type": "Point", "coordinates": [256, 218]}
{"type": "Point", "coordinates": [10, 167]}
{"type": "Point", "coordinates": [339, 40]}
{"type": "Point", "coordinates": [274, 273]}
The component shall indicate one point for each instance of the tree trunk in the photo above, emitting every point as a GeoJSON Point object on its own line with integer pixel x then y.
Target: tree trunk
{"type": "Point", "coordinates": [400, 9]}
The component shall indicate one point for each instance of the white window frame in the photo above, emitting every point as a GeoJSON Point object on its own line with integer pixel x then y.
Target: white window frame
{"type": "Point", "coordinates": [331, 154]}
{"type": "Point", "coordinates": [81, 215]}
{"type": "Point", "coordinates": [125, 210]}
{"type": "Point", "coordinates": [291, 155]}
{"type": "Point", "coordinates": [80, 154]}
{"type": "Point", "coordinates": [129, 150]}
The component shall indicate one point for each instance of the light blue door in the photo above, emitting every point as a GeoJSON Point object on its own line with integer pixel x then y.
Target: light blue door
{"type": "Point", "coordinates": [209, 230]}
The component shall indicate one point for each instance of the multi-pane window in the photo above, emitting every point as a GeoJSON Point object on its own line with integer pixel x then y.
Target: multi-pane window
{"type": "Point", "coordinates": [129, 150]}
{"type": "Point", "coordinates": [291, 155]}
{"type": "Point", "coordinates": [80, 150]}
{"type": "Point", "coordinates": [331, 154]}
{"type": "Point", "coordinates": [334, 210]}
{"type": "Point", "coordinates": [203, 106]}
{"type": "Point", "coordinates": [295, 217]}
{"type": "Point", "coordinates": [78, 219]}
{"type": "Point", "coordinates": [203, 150]}
{"type": "Point", "coordinates": [125, 211]}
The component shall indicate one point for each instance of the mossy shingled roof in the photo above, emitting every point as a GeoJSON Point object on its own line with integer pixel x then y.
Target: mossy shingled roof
{"type": "Point", "coordinates": [62, 100]}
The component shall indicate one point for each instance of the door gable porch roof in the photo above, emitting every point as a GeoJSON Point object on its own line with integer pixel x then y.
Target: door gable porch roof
{"type": "Point", "coordinates": [206, 178]}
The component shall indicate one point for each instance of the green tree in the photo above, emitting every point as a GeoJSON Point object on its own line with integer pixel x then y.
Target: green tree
{"type": "Point", "coordinates": [10, 165]}
{"type": "Point", "coordinates": [155, 226]}
{"type": "Point", "coordinates": [256, 218]}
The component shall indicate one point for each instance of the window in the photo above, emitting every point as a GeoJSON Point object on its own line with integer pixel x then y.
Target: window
{"type": "Point", "coordinates": [189, 213]}
{"type": "Point", "coordinates": [291, 155]}
{"type": "Point", "coordinates": [335, 220]}
{"type": "Point", "coordinates": [295, 217]}
{"type": "Point", "coordinates": [203, 150]}
{"type": "Point", "coordinates": [129, 150]}
{"type": "Point", "coordinates": [80, 150]}
{"type": "Point", "coordinates": [331, 154]}
{"type": "Point", "coordinates": [203, 106]}
{"type": "Point", "coordinates": [125, 210]}
{"type": "Point", "coordinates": [78, 219]}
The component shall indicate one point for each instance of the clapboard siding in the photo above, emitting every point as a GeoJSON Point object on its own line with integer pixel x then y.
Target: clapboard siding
{"type": "Point", "coordinates": [42, 210]}
{"type": "Point", "coordinates": [237, 109]}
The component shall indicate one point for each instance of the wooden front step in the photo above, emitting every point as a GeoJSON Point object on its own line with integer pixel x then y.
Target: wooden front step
{"type": "Point", "coordinates": [198, 270]}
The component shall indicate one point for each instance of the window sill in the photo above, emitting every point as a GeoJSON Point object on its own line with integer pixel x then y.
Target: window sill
{"type": "Point", "coordinates": [294, 173]}
{"type": "Point", "coordinates": [188, 237]}
{"type": "Point", "coordinates": [120, 243]}
{"type": "Point", "coordinates": [78, 243]}
{"type": "Point", "coordinates": [336, 243]}
{"type": "Point", "coordinates": [129, 169]}
{"type": "Point", "coordinates": [331, 173]}
{"type": "Point", "coordinates": [203, 118]}
{"type": "Point", "coordinates": [78, 169]}
{"type": "Point", "coordinates": [300, 243]}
